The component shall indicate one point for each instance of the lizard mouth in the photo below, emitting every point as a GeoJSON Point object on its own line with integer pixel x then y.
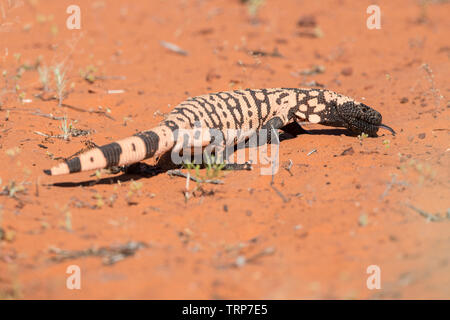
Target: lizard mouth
{"type": "Point", "coordinates": [362, 119]}
{"type": "Point", "coordinates": [360, 126]}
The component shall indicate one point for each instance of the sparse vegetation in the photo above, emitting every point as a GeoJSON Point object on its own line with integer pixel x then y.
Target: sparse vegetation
{"type": "Point", "coordinates": [212, 166]}
{"type": "Point", "coordinates": [89, 74]}
{"type": "Point", "coordinates": [68, 131]}
{"type": "Point", "coordinates": [66, 128]}
{"type": "Point", "coordinates": [54, 30]}
{"type": "Point", "coordinates": [363, 220]}
{"type": "Point", "coordinates": [5, 86]}
{"type": "Point", "coordinates": [437, 217]}
{"type": "Point", "coordinates": [2, 231]}
{"type": "Point", "coordinates": [98, 174]}
{"type": "Point", "coordinates": [12, 189]}
{"type": "Point", "coordinates": [67, 218]}
{"type": "Point", "coordinates": [423, 16]}
{"type": "Point", "coordinates": [11, 79]}
{"type": "Point", "coordinates": [100, 202]}
{"type": "Point", "coordinates": [60, 82]}
{"type": "Point", "coordinates": [190, 166]}
{"type": "Point", "coordinates": [22, 96]}
{"type": "Point", "coordinates": [126, 120]}
{"type": "Point", "coordinates": [110, 255]}
{"type": "Point", "coordinates": [5, 235]}
{"type": "Point", "coordinates": [253, 7]}
{"type": "Point", "coordinates": [135, 188]}
{"type": "Point", "coordinates": [44, 77]}
{"type": "Point", "coordinates": [424, 169]}
{"type": "Point", "coordinates": [14, 290]}
{"type": "Point", "coordinates": [13, 152]}
{"type": "Point", "coordinates": [434, 91]}
{"type": "Point", "coordinates": [362, 137]}
{"type": "Point", "coordinates": [112, 199]}
{"type": "Point", "coordinates": [17, 57]}
{"type": "Point", "coordinates": [213, 171]}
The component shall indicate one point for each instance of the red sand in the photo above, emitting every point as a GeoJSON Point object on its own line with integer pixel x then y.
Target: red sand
{"type": "Point", "coordinates": [345, 212]}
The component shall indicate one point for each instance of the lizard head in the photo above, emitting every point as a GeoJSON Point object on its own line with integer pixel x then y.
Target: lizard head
{"type": "Point", "coordinates": [355, 116]}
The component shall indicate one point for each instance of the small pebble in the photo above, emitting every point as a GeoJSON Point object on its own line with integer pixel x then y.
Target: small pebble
{"type": "Point", "coordinates": [348, 71]}
{"type": "Point", "coordinates": [240, 261]}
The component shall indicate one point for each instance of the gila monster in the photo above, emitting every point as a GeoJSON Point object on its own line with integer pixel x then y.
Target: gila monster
{"type": "Point", "coordinates": [247, 110]}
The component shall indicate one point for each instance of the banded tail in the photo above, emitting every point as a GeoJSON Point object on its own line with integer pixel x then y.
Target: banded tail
{"type": "Point", "coordinates": [143, 145]}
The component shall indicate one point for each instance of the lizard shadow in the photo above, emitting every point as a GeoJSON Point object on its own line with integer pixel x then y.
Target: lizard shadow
{"type": "Point", "coordinates": [327, 132]}
{"type": "Point", "coordinates": [142, 170]}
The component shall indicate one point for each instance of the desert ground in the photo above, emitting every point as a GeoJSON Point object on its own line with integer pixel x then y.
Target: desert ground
{"type": "Point", "coordinates": [339, 205]}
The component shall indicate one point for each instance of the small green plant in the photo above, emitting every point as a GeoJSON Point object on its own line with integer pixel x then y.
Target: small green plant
{"type": "Point", "coordinates": [54, 30]}
{"type": "Point", "coordinates": [66, 128]}
{"type": "Point", "coordinates": [126, 120]}
{"type": "Point", "coordinates": [60, 81]}
{"type": "Point", "coordinates": [13, 188]}
{"type": "Point", "coordinates": [363, 220]}
{"type": "Point", "coordinates": [135, 187]}
{"type": "Point", "coordinates": [5, 78]}
{"type": "Point", "coordinates": [387, 143]}
{"type": "Point", "coordinates": [253, 7]}
{"type": "Point", "coordinates": [213, 167]}
{"type": "Point", "coordinates": [434, 91]}
{"type": "Point", "coordinates": [88, 74]}
{"type": "Point", "coordinates": [423, 17]}
{"type": "Point", "coordinates": [22, 96]}
{"type": "Point", "coordinates": [111, 200]}
{"type": "Point", "coordinates": [17, 57]}
{"type": "Point", "coordinates": [1, 218]}
{"type": "Point", "coordinates": [5, 87]}
{"type": "Point", "coordinates": [98, 174]}
{"type": "Point", "coordinates": [44, 77]}
{"type": "Point", "coordinates": [12, 152]}
{"type": "Point", "coordinates": [362, 136]}
{"type": "Point", "coordinates": [7, 235]}
{"type": "Point", "coordinates": [13, 291]}
{"type": "Point", "coordinates": [425, 170]}
{"type": "Point", "coordinates": [40, 18]}
{"type": "Point", "coordinates": [100, 202]}
{"type": "Point", "coordinates": [190, 166]}
{"type": "Point", "coordinates": [213, 170]}
{"type": "Point", "coordinates": [67, 219]}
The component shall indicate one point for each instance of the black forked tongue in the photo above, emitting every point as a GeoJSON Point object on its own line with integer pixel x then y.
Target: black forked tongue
{"type": "Point", "coordinates": [387, 128]}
